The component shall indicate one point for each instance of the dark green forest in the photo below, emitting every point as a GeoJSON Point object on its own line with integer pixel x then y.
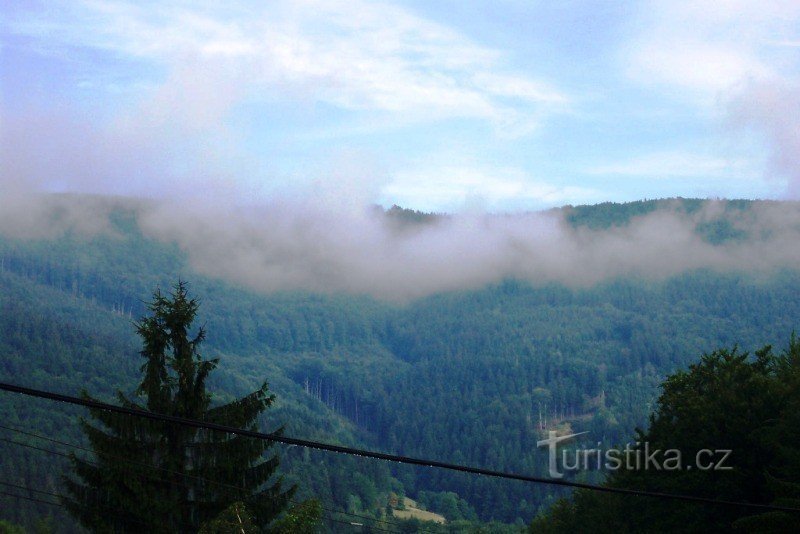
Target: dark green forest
{"type": "Point", "coordinates": [743, 405]}
{"type": "Point", "coordinates": [471, 377]}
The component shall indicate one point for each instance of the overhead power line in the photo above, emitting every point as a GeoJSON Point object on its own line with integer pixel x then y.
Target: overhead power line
{"type": "Point", "coordinates": [60, 505]}
{"type": "Point", "coordinates": [60, 497]}
{"type": "Point", "coordinates": [32, 499]}
{"type": "Point", "coordinates": [89, 403]}
{"type": "Point", "coordinates": [167, 471]}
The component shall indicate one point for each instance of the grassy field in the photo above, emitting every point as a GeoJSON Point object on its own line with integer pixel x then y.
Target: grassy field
{"type": "Point", "coordinates": [411, 511]}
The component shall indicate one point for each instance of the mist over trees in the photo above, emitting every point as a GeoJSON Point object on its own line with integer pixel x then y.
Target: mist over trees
{"type": "Point", "coordinates": [398, 255]}
{"type": "Point", "coordinates": [467, 376]}
{"type": "Point", "coordinates": [276, 154]}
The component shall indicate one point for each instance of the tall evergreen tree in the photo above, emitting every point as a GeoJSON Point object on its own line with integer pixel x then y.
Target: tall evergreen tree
{"type": "Point", "coordinates": [151, 476]}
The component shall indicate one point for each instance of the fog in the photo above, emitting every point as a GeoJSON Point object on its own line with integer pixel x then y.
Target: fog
{"type": "Point", "coordinates": [329, 237]}
{"type": "Point", "coordinates": [185, 185]}
{"type": "Point", "coordinates": [290, 243]}
{"type": "Point", "coordinates": [772, 109]}
{"type": "Point", "coordinates": [288, 246]}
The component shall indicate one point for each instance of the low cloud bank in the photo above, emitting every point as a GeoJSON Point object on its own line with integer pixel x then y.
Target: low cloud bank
{"type": "Point", "coordinates": [321, 247]}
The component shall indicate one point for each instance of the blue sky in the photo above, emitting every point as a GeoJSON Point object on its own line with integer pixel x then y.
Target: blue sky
{"type": "Point", "coordinates": [442, 106]}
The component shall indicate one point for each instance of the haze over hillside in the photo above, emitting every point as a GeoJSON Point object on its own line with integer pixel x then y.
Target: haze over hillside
{"type": "Point", "coordinates": [260, 136]}
{"type": "Point", "coordinates": [442, 229]}
{"type": "Point", "coordinates": [401, 255]}
{"type": "Point", "coordinates": [468, 375]}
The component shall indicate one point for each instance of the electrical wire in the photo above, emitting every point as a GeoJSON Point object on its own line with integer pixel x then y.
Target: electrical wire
{"type": "Point", "coordinates": [149, 466]}
{"type": "Point", "coordinates": [90, 403]}
{"type": "Point", "coordinates": [60, 505]}
{"type": "Point", "coordinates": [59, 496]}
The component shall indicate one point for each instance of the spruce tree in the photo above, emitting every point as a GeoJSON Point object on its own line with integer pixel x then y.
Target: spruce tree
{"type": "Point", "coordinates": [151, 476]}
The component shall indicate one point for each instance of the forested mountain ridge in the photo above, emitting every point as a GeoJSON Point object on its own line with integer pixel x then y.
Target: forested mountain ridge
{"type": "Point", "coordinates": [464, 376]}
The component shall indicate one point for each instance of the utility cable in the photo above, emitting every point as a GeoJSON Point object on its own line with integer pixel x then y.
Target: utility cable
{"type": "Point", "coordinates": [194, 423]}
{"type": "Point", "coordinates": [149, 466]}
{"type": "Point", "coordinates": [61, 505]}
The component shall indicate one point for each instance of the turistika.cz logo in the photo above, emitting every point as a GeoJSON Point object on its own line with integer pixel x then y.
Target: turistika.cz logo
{"type": "Point", "coordinates": [637, 456]}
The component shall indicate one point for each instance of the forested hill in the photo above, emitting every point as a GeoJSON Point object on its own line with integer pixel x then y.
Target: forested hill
{"type": "Point", "coordinates": [466, 376]}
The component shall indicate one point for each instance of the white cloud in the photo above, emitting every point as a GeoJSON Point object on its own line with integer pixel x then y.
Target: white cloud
{"type": "Point", "coordinates": [773, 111]}
{"type": "Point", "coordinates": [356, 55]}
{"type": "Point", "coordinates": [687, 173]}
{"type": "Point", "coordinates": [705, 47]}
{"type": "Point", "coordinates": [473, 187]}
{"type": "Point", "coordinates": [787, 43]}
{"type": "Point", "coordinates": [677, 164]}
{"type": "Point", "coordinates": [735, 60]}
{"type": "Point", "coordinates": [703, 67]}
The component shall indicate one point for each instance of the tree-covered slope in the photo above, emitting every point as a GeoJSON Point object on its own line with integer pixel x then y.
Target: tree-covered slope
{"type": "Point", "coordinates": [466, 376]}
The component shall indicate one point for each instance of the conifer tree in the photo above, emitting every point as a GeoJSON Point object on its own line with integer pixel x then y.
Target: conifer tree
{"type": "Point", "coordinates": [152, 476]}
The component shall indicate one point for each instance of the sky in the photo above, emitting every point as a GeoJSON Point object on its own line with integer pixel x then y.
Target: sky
{"type": "Point", "coordinates": [446, 106]}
